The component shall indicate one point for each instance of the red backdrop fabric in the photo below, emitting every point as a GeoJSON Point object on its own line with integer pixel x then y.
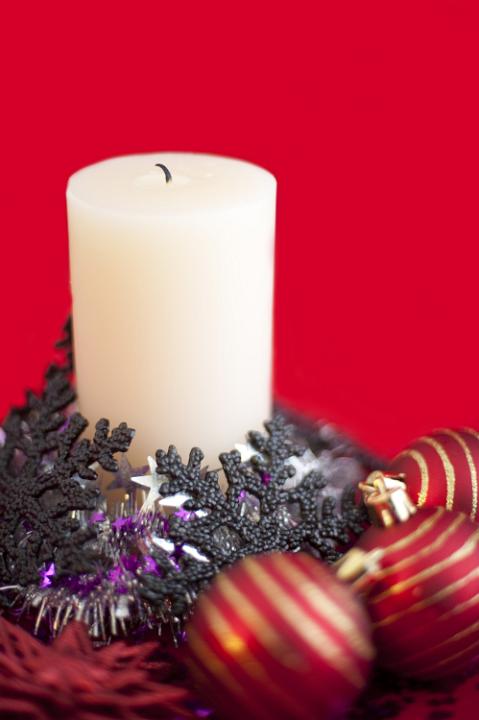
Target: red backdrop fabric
{"type": "Point", "coordinates": [366, 112]}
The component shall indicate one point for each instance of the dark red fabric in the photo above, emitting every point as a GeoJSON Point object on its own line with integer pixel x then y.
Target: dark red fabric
{"type": "Point", "coordinates": [455, 700]}
{"type": "Point", "coordinates": [431, 706]}
{"type": "Point", "coordinates": [72, 679]}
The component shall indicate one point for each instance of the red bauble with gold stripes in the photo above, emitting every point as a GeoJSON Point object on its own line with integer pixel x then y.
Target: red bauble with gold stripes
{"type": "Point", "coordinates": [423, 599]}
{"type": "Point", "coordinates": [442, 469]}
{"type": "Point", "coordinates": [278, 636]}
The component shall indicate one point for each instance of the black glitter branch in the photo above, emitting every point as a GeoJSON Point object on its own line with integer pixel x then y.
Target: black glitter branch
{"type": "Point", "coordinates": [256, 513]}
{"type": "Point", "coordinates": [42, 465]}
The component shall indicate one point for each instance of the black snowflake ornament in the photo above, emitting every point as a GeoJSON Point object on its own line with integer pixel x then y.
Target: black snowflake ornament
{"type": "Point", "coordinates": [256, 513]}
{"type": "Point", "coordinates": [42, 464]}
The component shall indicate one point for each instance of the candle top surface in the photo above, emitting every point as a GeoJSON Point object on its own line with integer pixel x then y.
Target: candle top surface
{"type": "Point", "coordinates": [200, 183]}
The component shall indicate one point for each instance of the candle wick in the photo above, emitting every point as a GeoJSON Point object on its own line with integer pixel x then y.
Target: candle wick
{"type": "Point", "coordinates": [166, 171]}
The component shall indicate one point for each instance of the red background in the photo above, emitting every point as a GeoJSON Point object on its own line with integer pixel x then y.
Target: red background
{"type": "Point", "coordinates": [367, 112]}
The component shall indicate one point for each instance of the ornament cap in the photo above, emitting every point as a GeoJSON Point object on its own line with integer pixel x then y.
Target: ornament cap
{"type": "Point", "coordinates": [386, 498]}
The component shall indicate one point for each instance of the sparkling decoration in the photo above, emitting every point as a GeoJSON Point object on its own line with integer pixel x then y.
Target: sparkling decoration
{"type": "Point", "coordinates": [304, 465]}
{"type": "Point", "coordinates": [138, 566]}
{"type": "Point", "coordinates": [72, 680]}
{"type": "Point", "coordinates": [423, 599]}
{"type": "Point", "coordinates": [278, 636]}
{"type": "Point", "coordinates": [247, 518]}
{"type": "Point", "coordinates": [152, 483]}
{"type": "Point", "coordinates": [442, 469]}
{"type": "Point", "coordinates": [46, 479]}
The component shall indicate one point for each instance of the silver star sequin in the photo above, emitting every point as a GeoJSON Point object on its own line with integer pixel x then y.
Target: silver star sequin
{"type": "Point", "coordinates": [151, 482]}
{"type": "Point", "coordinates": [246, 451]}
{"type": "Point", "coordinates": [307, 463]}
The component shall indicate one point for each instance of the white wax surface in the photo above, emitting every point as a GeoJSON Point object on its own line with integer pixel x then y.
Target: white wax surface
{"type": "Point", "coordinates": [172, 297]}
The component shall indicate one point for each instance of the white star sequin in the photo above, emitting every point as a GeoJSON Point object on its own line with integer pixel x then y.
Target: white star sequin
{"type": "Point", "coordinates": [246, 451]}
{"type": "Point", "coordinates": [308, 462]}
{"type": "Point", "coordinates": [152, 482]}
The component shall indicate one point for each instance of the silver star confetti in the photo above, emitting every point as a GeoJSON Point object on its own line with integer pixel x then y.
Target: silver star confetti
{"type": "Point", "coordinates": [152, 482]}
{"type": "Point", "coordinates": [246, 451]}
{"type": "Point", "coordinates": [307, 463]}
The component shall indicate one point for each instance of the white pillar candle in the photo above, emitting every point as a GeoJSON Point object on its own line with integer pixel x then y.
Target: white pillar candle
{"type": "Point", "coordinates": [172, 287]}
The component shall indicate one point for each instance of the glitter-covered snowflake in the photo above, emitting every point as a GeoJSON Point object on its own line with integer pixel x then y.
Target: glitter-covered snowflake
{"type": "Point", "coordinates": [255, 512]}
{"type": "Point", "coordinates": [47, 477]}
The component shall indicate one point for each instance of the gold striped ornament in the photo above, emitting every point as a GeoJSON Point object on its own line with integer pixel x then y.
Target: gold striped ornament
{"type": "Point", "coordinates": [420, 582]}
{"type": "Point", "coordinates": [442, 469]}
{"type": "Point", "coordinates": [278, 636]}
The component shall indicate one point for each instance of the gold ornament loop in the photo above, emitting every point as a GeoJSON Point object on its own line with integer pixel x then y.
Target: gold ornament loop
{"type": "Point", "coordinates": [386, 498]}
